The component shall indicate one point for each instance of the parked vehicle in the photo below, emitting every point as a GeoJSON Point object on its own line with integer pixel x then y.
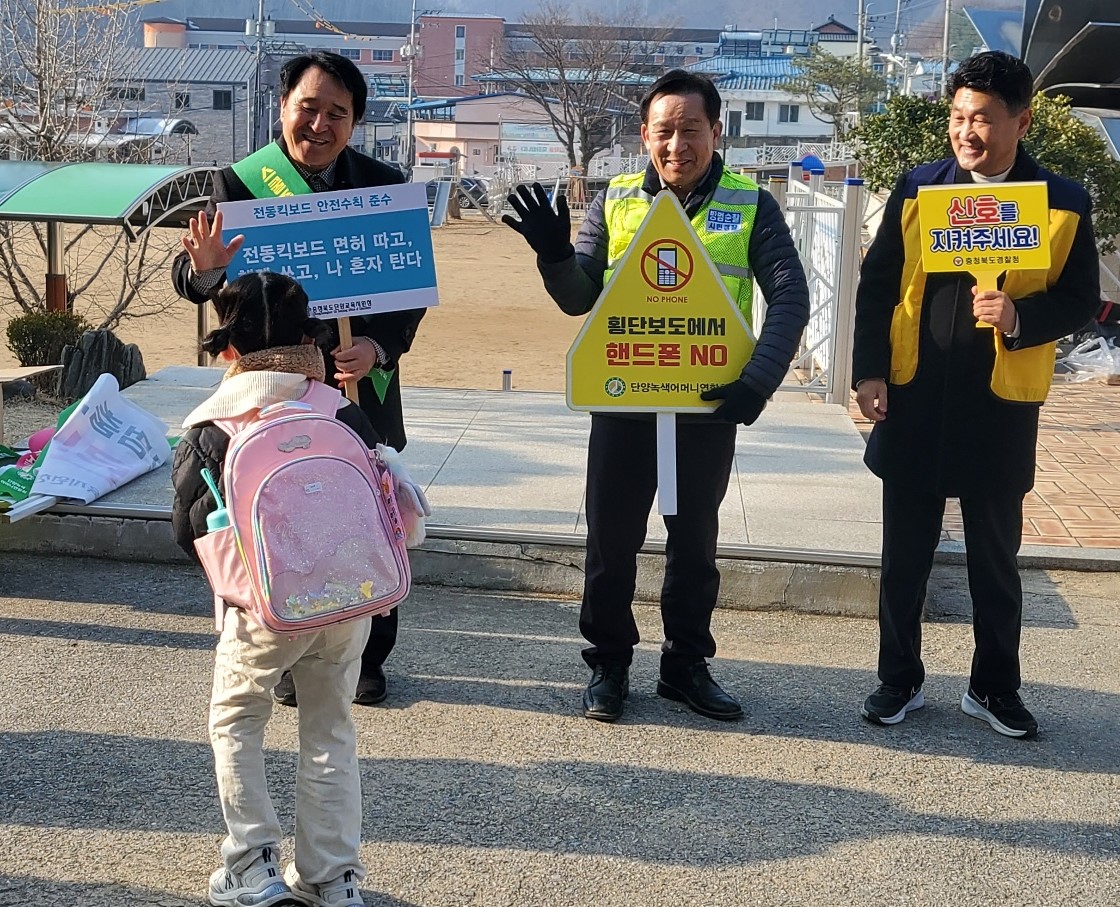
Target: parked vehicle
{"type": "Point", "coordinates": [472, 192]}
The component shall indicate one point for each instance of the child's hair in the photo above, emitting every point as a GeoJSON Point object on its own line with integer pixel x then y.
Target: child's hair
{"type": "Point", "coordinates": [260, 311]}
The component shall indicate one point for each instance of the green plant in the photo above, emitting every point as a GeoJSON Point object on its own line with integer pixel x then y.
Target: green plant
{"type": "Point", "coordinates": [37, 338]}
{"type": "Point", "coordinates": [912, 130]}
{"type": "Point", "coordinates": [909, 131]}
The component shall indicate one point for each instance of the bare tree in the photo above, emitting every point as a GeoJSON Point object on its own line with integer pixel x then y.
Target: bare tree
{"type": "Point", "coordinates": [585, 74]}
{"type": "Point", "coordinates": [61, 100]}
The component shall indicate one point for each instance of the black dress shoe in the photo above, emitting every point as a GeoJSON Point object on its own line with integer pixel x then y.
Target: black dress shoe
{"type": "Point", "coordinates": [285, 691]}
{"type": "Point", "coordinates": [602, 700]}
{"type": "Point", "coordinates": [692, 684]}
{"type": "Point", "coordinates": [371, 687]}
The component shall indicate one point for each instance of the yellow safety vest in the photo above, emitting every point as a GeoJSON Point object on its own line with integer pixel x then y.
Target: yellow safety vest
{"type": "Point", "coordinates": [1023, 375]}
{"type": "Point", "coordinates": [723, 224]}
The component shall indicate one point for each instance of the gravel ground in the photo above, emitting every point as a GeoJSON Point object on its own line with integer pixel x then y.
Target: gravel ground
{"type": "Point", "coordinates": [24, 417]}
{"type": "Point", "coordinates": [483, 785]}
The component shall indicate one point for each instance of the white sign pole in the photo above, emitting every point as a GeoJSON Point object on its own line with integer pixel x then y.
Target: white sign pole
{"type": "Point", "coordinates": [667, 464]}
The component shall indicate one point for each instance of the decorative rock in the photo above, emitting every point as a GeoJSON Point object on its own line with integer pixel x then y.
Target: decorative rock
{"type": "Point", "coordinates": [99, 352]}
{"type": "Point", "coordinates": [19, 390]}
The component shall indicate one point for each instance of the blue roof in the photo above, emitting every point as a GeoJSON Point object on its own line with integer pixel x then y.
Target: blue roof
{"type": "Point", "coordinates": [437, 103]}
{"type": "Point", "coordinates": [735, 82]}
{"type": "Point", "coordinates": [778, 66]}
{"type": "Point", "coordinates": [999, 29]}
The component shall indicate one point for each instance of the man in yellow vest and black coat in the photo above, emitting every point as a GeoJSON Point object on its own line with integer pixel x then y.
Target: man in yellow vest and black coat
{"type": "Point", "coordinates": [746, 236]}
{"type": "Point", "coordinates": [953, 380]}
{"type": "Point", "coordinates": [322, 97]}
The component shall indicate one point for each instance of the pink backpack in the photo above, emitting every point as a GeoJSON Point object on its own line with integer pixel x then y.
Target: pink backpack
{"type": "Point", "coordinates": [314, 535]}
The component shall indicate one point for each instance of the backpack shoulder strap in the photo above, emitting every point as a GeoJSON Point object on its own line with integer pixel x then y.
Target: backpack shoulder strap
{"type": "Point", "coordinates": [321, 397]}
{"type": "Point", "coordinates": [234, 425]}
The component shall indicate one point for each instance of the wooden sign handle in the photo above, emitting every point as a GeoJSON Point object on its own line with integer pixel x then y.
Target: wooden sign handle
{"type": "Point", "coordinates": [346, 341]}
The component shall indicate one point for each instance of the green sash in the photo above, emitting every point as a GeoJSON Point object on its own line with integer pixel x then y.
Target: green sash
{"type": "Point", "coordinates": [268, 173]}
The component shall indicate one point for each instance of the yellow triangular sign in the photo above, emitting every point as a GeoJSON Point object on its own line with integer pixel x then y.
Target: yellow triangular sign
{"type": "Point", "coordinates": [663, 329]}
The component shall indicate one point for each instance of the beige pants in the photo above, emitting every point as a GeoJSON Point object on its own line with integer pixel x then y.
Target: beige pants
{"type": "Point", "coordinates": [325, 665]}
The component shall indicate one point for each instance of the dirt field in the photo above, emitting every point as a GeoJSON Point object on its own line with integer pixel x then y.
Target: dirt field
{"type": "Point", "coordinates": [493, 315]}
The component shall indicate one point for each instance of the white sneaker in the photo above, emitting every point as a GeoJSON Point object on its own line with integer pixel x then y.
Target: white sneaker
{"type": "Point", "coordinates": [341, 892]}
{"type": "Point", "coordinates": [260, 884]}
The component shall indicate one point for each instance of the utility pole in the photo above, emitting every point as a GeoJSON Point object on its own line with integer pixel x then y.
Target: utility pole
{"type": "Point", "coordinates": [260, 28]}
{"type": "Point", "coordinates": [896, 46]}
{"type": "Point", "coordinates": [409, 53]}
{"type": "Point", "coordinates": [861, 16]}
{"type": "Point", "coordinates": [945, 49]}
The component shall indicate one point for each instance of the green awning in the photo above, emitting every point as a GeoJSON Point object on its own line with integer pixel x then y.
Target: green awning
{"type": "Point", "coordinates": [14, 175]}
{"type": "Point", "coordinates": [133, 196]}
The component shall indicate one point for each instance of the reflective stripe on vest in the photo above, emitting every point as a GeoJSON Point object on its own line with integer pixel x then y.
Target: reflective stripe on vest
{"type": "Point", "coordinates": [626, 204]}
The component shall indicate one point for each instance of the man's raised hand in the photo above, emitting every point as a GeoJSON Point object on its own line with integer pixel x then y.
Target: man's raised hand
{"type": "Point", "coordinates": [548, 232]}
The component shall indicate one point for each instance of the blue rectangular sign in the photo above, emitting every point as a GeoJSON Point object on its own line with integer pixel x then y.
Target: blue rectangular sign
{"type": "Point", "coordinates": [354, 251]}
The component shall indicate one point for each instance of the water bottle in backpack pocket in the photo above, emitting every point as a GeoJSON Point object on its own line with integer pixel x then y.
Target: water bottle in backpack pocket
{"type": "Point", "coordinates": [315, 536]}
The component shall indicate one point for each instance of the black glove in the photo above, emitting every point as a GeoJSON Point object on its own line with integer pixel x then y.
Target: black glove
{"type": "Point", "coordinates": [740, 403]}
{"type": "Point", "coordinates": [548, 232]}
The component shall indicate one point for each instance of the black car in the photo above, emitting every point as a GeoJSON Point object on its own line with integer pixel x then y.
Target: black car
{"type": "Point", "coordinates": [472, 192]}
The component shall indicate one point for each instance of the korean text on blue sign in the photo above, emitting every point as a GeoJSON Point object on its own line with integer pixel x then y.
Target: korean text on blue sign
{"type": "Point", "coordinates": [355, 251]}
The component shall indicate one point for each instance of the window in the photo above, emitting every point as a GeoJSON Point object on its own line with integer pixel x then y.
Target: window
{"type": "Point", "coordinates": [460, 54]}
{"type": "Point", "coordinates": [180, 101]}
{"type": "Point", "coordinates": [787, 113]}
{"type": "Point", "coordinates": [460, 80]}
{"type": "Point", "coordinates": [350, 53]}
{"type": "Point", "coordinates": [223, 99]}
{"type": "Point", "coordinates": [754, 110]}
{"type": "Point", "coordinates": [460, 31]}
{"type": "Point", "coordinates": [126, 93]}
{"type": "Point", "coordinates": [734, 124]}
{"type": "Point", "coordinates": [382, 56]}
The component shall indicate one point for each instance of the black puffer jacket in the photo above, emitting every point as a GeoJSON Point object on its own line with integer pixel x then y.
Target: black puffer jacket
{"type": "Point", "coordinates": [576, 282]}
{"type": "Point", "coordinates": [204, 446]}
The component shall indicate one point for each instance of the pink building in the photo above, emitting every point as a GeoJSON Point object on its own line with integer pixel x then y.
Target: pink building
{"type": "Point", "coordinates": [454, 49]}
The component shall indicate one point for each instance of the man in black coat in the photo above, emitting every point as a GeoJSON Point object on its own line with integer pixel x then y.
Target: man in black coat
{"type": "Point", "coordinates": [955, 407]}
{"type": "Point", "coordinates": [322, 97]}
{"type": "Point", "coordinates": [681, 127]}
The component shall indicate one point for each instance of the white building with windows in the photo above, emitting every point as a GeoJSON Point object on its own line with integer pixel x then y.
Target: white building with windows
{"type": "Point", "coordinates": [755, 110]}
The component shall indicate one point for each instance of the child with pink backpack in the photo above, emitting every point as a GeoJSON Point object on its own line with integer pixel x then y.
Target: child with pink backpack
{"type": "Point", "coordinates": [282, 492]}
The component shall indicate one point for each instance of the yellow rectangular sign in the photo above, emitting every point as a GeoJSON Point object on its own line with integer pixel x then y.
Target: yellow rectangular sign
{"type": "Point", "coordinates": [985, 227]}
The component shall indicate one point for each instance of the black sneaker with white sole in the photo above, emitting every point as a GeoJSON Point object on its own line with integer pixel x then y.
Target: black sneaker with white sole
{"type": "Point", "coordinates": [1004, 712]}
{"type": "Point", "coordinates": [889, 705]}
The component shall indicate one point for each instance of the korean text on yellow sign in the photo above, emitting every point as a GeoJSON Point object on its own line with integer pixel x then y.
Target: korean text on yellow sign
{"type": "Point", "coordinates": [985, 227]}
{"type": "Point", "coordinates": [663, 330]}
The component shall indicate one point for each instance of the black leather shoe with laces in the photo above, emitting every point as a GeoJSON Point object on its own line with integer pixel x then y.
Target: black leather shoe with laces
{"type": "Point", "coordinates": [692, 684]}
{"type": "Point", "coordinates": [610, 685]}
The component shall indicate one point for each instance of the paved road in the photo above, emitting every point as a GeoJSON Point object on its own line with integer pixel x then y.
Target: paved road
{"type": "Point", "coordinates": [483, 786]}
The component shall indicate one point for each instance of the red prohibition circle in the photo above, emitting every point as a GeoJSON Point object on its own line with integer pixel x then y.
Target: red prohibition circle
{"type": "Point", "coordinates": [668, 276]}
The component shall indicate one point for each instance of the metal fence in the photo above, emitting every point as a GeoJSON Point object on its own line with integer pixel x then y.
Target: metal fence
{"type": "Point", "coordinates": [827, 232]}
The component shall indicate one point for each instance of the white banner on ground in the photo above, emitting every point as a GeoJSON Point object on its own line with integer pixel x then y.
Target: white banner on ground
{"type": "Point", "coordinates": [106, 442]}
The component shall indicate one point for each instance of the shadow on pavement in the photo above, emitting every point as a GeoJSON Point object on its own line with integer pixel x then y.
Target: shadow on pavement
{"type": "Point", "coordinates": [553, 805]}
{"type": "Point", "coordinates": [31, 890]}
